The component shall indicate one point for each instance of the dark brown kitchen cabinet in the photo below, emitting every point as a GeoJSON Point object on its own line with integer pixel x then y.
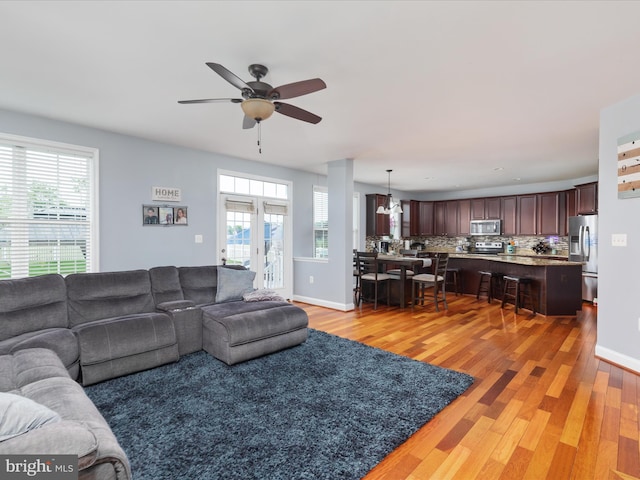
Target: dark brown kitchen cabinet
{"type": "Point", "coordinates": [587, 198]}
{"type": "Point", "coordinates": [426, 218]}
{"type": "Point", "coordinates": [541, 214]}
{"type": "Point", "coordinates": [486, 208]}
{"type": "Point", "coordinates": [446, 217]}
{"type": "Point", "coordinates": [570, 199]}
{"type": "Point", "coordinates": [509, 208]}
{"type": "Point", "coordinates": [527, 215]}
{"type": "Point", "coordinates": [552, 214]}
{"type": "Point", "coordinates": [477, 209]}
{"type": "Point", "coordinates": [377, 223]}
{"type": "Point", "coordinates": [464, 217]}
{"type": "Point", "coordinates": [410, 218]}
{"type": "Point", "coordinates": [492, 207]}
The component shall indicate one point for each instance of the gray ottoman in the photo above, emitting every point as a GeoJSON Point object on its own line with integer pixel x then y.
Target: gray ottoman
{"type": "Point", "coordinates": [238, 331]}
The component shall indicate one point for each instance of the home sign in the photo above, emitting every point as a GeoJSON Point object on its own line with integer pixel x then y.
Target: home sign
{"type": "Point", "coordinates": [166, 194]}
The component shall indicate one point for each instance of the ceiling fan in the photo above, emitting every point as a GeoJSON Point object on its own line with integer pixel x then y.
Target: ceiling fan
{"type": "Point", "coordinates": [259, 99]}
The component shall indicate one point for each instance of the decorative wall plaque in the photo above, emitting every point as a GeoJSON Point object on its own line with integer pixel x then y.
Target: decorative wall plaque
{"type": "Point", "coordinates": [629, 166]}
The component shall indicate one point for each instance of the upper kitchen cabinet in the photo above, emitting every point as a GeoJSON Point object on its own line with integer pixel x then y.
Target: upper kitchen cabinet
{"type": "Point", "coordinates": [377, 223]}
{"type": "Point", "coordinates": [587, 198]}
{"type": "Point", "coordinates": [464, 216]}
{"type": "Point", "coordinates": [541, 214]}
{"type": "Point", "coordinates": [426, 218]}
{"type": "Point", "coordinates": [509, 208]}
{"type": "Point", "coordinates": [446, 217]}
{"type": "Point", "coordinates": [492, 208]}
{"type": "Point", "coordinates": [552, 214]}
{"type": "Point", "coordinates": [527, 215]}
{"type": "Point", "coordinates": [410, 218]}
{"type": "Point", "coordinates": [486, 208]}
{"type": "Point", "coordinates": [417, 218]}
{"type": "Point", "coordinates": [477, 209]}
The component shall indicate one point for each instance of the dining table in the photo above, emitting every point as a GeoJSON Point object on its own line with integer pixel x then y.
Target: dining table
{"type": "Point", "coordinates": [404, 264]}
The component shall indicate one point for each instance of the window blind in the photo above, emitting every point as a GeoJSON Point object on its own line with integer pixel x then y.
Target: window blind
{"type": "Point", "coordinates": [320, 222]}
{"type": "Point", "coordinates": [47, 212]}
{"type": "Point", "coordinates": [238, 206]}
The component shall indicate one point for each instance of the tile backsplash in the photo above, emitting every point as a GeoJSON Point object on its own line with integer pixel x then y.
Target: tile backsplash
{"type": "Point", "coordinates": [524, 244]}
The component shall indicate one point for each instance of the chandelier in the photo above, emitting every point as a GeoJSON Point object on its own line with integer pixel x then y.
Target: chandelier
{"type": "Point", "coordinates": [389, 207]}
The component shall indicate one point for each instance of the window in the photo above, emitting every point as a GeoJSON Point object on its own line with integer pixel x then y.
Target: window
{"type": "Point", "coordinates": [47, 208]}
{"type": "Point", "coordinates": [320, 222]}
{"type": "Point", "coordinates": [254, 187]}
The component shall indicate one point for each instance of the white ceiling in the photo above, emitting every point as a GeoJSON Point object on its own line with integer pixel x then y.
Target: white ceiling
{"type": "Point", "coordinates": [443, 93]}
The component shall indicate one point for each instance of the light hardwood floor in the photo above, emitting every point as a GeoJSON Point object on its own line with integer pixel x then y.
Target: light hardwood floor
{"type": "Point", "coordinates": [542, 406]}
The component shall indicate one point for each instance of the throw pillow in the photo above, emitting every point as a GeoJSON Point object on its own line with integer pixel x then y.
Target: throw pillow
{"type": "Point", "coordinates": [19, 415]}
{"type": "Point", "coordinates": [262, 295]}
{"type": "Point", "coordinates": [233, 284]}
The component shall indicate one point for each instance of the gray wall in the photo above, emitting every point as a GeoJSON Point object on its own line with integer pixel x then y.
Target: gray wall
{"type": "Point", "coordinates": [618, 286]}
{"type": "Point", "coordinates": [130, 166]}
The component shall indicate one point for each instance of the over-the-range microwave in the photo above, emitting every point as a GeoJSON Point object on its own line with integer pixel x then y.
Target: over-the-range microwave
{"type": "Point", "coordinates": [486, 227]}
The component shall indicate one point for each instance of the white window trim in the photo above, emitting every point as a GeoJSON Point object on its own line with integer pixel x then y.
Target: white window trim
{"type": "Point", "coordinates": [93, 264]}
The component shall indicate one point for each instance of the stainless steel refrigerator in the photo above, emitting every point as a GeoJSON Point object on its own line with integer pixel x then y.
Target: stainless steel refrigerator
{"type": "Point", "coordinates": [583, 247]}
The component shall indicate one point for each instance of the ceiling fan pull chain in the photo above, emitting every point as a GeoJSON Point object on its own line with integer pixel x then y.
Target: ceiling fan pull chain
{"type": "Point", "coordinates": [259, 137]}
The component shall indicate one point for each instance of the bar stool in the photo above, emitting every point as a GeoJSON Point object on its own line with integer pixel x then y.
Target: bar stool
{"type": "Point", "coordinates": [452, 279]}
{"type": "Point", "coordinates": [488, 284]}
{"type": "Point", "coordinates": [512, 290]}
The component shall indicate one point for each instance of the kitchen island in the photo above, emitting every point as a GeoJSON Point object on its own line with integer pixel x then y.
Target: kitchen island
{"type": "Point", "coordinates": [556, 284]}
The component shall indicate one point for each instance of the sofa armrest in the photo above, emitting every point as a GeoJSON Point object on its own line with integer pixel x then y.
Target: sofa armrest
{"type": "Point", "coordinates": [175, 305]}
{"type": "Point", "coordinates": [61, 438]}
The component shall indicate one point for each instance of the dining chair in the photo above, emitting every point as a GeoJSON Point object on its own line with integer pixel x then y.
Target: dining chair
{"type": "Point", "coordinates": [367, 265]}
{"type": "Point", "coordinates": [435, 280]}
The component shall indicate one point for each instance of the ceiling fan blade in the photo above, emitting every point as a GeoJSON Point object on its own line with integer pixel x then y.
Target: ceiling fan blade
{"type": "Point", "coordinates": [229, 77]}
{"type": "Point", "coordinates": [296, 112]}
{"type": "Point", "coordinates": [248, 122]}
{"type": "Point", "coordinates": [296, 89]}
{"type": "Point", "coordinates": [212, 100]}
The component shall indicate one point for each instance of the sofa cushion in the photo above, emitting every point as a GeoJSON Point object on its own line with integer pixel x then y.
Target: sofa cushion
{"type": "Point", "coordinates": [19, 415]}
{"type": "Point", "coordinates": [233, 284]}
{"type": "Point", "coordinates": [45, 306]}
{"type": "Point", "coordinates": [165, 284]}
{"type": "Point", "coordinates": [199, 284]}
{"type": "Point", "coordinates": [118, 346]}
{"type": "Point", "coordinates": [244, 322]}
{"type": "Point", "coordinates": [28, 366]}
{"type": "Point", "coordinates": [95, 296]}
{"type": "Point", "coordinates": [61, 340]}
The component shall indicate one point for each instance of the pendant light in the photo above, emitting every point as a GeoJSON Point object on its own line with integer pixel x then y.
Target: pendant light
{"type": "Point", "coordinates": [389, 207]}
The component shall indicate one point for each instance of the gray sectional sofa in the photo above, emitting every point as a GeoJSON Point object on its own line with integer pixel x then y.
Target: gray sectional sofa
{"type": "Point", "coordinates": [59, 332]}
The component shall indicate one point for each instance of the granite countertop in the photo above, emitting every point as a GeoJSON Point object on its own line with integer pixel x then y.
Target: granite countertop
{"type": "Point", "coordinates": [535, 261]}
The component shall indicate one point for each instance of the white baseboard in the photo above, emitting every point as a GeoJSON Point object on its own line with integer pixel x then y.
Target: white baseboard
{"type": "Point", "coordinates": [323, 303]}
{"type": "Point", "coordinates": [620, 359]}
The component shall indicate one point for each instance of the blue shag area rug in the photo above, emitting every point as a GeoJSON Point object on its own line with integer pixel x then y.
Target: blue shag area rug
{"type": "Point", "coordinates": [330, 408]}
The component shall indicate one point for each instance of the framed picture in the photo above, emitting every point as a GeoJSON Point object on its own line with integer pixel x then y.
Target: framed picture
{"type": "Point", "coordinates": [150, 215]}
{"type": "Point", "coordinates": [164, 215]}
{"type": "Point", "coordinates": [180, 216]}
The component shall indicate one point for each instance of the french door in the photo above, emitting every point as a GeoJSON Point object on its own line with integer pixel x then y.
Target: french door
{"type": "Point", "coordinates": [255, 233]}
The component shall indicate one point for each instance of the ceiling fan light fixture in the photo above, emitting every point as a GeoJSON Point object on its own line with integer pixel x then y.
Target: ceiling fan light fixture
{"type": "Point", "coordinates": [257, 108]}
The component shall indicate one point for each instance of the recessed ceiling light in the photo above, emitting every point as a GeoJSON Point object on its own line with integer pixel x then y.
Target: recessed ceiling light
{"type": "Point", "coordinates": [498, 169]}
{"type": "Point", "coordinates": [517, 179]}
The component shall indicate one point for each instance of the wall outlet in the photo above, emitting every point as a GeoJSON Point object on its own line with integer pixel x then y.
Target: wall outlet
{"type": "Point", "coordinates": [198, 238]}
{"type": "Point", "coordinates": [310, 278]}
{"type": "Point", "coordinates": [618, 239]}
